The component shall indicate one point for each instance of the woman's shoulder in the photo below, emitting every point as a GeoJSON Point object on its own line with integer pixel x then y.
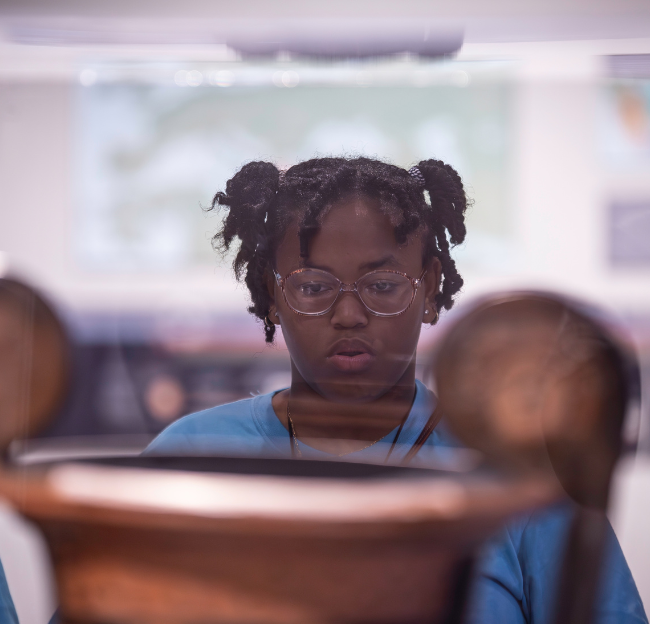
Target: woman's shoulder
{"type": "Point", "coordinates": [233, 427]}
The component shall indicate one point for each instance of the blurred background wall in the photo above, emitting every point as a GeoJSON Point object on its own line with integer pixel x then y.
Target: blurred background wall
{"type": "Point", "coordinates": [119, 121]}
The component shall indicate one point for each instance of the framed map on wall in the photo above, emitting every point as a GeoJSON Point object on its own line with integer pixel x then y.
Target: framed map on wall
{"type": "Point", "coordinates": [150, 156]}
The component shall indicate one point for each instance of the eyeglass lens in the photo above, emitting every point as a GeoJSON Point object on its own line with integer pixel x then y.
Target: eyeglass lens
{"type": "Point", "coordinates": [313, 291]}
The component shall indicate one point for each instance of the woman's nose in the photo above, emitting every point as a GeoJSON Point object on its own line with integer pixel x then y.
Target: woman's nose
{"type": "Point", "coordinates": [349, 312]}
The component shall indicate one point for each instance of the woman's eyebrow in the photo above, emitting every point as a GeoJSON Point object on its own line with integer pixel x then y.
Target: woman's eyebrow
{"type": "Point", "coordinates": [307, 264]}
{"type": "Point", "coordinates": [389, 260]}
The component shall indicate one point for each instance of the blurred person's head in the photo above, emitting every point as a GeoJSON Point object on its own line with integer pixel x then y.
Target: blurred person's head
{"type": "Point", "coordinates": [312, 233]}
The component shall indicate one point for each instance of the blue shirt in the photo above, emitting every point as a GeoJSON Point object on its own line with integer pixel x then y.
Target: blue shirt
{"type": "Point", "coordinates": [518, 571]}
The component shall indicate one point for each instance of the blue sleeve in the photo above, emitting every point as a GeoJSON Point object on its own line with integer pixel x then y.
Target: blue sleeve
{"type": "Point", "coordinates": [497, 594]}
{"type": "Point", "coordinates": [518, 573]}
{"type": "Point", "coordinates": [8, 613]}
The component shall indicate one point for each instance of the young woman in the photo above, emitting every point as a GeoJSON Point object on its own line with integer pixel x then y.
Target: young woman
{"type": "Point", "coordinates": [349, 258]}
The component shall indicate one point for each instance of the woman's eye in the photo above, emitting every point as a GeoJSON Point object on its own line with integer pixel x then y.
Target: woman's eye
{"type": "Point", "coordinates": [382, 287]}
{"type": "Point", "coordinates": [314, 288]}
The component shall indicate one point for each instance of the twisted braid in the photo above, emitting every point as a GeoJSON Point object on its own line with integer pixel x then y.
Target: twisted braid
{"type": "Point", "coordinates": [447, 214]}
{"type": "Point", "coordinates": [251, 196]}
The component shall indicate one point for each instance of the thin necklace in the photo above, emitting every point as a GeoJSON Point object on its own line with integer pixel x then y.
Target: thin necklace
{"type": "Point", "coordinates": [296, 452]}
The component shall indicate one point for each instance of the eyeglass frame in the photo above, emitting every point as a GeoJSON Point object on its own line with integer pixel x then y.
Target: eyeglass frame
{"type": "Point", "coordinates": [416, 282]}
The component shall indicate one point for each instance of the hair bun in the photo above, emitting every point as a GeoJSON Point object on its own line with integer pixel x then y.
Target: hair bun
{"type": "Point", "coordinates": [249, 196]}
{"type": "Point", "coordinates": [253, 187]}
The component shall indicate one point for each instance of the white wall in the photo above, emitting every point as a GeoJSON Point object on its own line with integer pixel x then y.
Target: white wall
{"type": "Point", "coordinates": [630, 516]}
{"type": "Point", "coordinates": [35, 152]}
{"type": "Point", "coordinates": [37, 214]}
{"type": "Point", "coordinates": [562, 185]}
{"type": "Point", "coordinates": [28, 568]}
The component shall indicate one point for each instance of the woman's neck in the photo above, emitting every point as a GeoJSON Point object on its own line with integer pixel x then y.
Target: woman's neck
{"type": "Point", "coordinates": [343, 427]}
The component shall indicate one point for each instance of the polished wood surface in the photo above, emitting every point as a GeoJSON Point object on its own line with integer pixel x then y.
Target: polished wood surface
{"type": "Point", "coordinates": [121, 562]}
{"type": "Point", "coordinates": [542, 385]}
{"type": "Point", "coordinates": [35, 363]}
{"type": "Point", "coordinates": [538, 384]}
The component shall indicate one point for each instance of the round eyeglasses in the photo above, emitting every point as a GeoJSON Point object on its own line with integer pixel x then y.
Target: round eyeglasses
{"type": "Point", "coordinates": [313, 292]}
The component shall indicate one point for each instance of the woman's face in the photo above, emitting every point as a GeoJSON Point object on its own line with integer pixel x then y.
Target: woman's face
{"type": "Point", "coordinates": [349, 354]}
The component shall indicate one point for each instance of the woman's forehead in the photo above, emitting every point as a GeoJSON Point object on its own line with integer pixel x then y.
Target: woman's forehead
{"type": "Point", "coordinates": [355, 234]}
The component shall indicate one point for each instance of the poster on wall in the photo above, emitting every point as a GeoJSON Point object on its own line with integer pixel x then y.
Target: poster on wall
{"type": "Point", "coordinates": [150, 156]}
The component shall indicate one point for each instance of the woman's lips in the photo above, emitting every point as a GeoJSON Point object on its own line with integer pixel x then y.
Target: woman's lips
{"type": "Point", "coordinates": [351, 361]}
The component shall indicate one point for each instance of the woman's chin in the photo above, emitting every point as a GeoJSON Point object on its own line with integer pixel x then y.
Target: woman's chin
{"type": "Point", "coordinates": [352, 389]}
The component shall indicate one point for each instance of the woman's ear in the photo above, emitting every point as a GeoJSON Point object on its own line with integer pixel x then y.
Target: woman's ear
{"type": "Point", "coordinates": [431, 289]}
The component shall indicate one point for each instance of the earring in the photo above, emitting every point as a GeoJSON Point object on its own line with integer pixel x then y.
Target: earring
{"type": "Point", "coordinates": [267, 319]}
{"type": "Point", "coordinates": [435, 318]}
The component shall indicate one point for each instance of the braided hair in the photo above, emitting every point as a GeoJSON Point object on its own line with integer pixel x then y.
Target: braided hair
{"type": "Point", "coordinates": [263, 202]}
